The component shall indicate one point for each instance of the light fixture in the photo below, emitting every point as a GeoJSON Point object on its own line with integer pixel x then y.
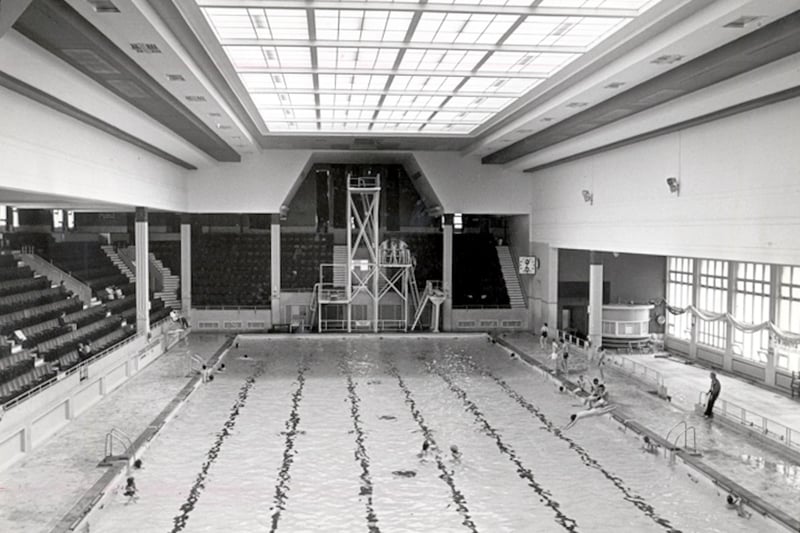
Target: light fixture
{"type": "Point", "coordinates": [674, 185]}
{"type": "Point", "coordinates": [588, 197]}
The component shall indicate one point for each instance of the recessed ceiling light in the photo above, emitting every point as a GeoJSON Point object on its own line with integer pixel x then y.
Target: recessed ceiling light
{"type": "Point", "coordinates": [145, 48]}
{"type": "Point", "coordinates": [668, 59]}
{"type": "Point", "coordinates": [175, 77]}
{"type": "Point", "coordinates": [214, 114]}
{"type": "Point", "coordinates": [223, 127]}
{"type": "Point", "coordinates": [614, 85]}
{"type": "Point", "coordinates": [196, 98]}
{"type": "Point", "coordinates": [103, 6]}
{"type": "Point", "coordinates": [742, 21]}
{"type": "Point", "coordinates": [576, 105]}
{"type": "Point", "coordinates": [547, 119]}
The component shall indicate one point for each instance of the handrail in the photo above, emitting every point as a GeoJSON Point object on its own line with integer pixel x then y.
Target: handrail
{"type": "Point", "coordinates": [56, 275]}
{"type": "Point", "coordinates": [637, 370]}
{"type": "Point", "coordinates": [775, 431]}
{"type": "Point", "coordinates": [52, 381]}
{"type": "Point", "coordinates": [230, 307]}
{"type": "Point", "coordinates": [515, 259]}
{"type": "Point", "coordinates": [686, 429]}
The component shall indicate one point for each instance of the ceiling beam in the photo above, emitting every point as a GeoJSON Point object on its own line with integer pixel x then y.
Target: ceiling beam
{"type": "Point", "coordinates": [423, 8]}
{"type": "Point", "coordinates": [392, 72]}
{"type": "Point", "coordinates": [377, 92]}
{"type": "Point", "coordinates": [467, 47]}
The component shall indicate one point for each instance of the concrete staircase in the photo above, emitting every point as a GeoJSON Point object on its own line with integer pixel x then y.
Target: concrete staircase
{"type": "Point", "coordinates": [515, 296]}
{"type": "Point", "coordinates": [119, 263]}
{"type": "Point", "coordinates": [339, 258]}
{"type": "Point", "coordinates": [169, 295]}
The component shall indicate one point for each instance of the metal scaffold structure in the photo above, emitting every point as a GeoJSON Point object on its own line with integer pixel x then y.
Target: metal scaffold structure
{"type": "Point", "coordinates": [376, 272]}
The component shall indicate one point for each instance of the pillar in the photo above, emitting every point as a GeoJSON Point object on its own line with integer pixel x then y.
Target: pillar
{"type": "Point", "coordinates": [142, 272]}
{"type": "Point", "coordinates": [693, 318]}
{"type": "Point", "coordinates": [186, 267]}
{"type": "Point", "coordinates": [595, 300]}
{"type": "Point", "coordinates": [275, 268]}
{"type": "Point", "coordinates": [774, 302]}
{"type": "Point", "coordinates": [550, 311]}
{"type": "Point", "coordinates": [727, 359]}
{"type": "Point", "coordinates": [447, 272]}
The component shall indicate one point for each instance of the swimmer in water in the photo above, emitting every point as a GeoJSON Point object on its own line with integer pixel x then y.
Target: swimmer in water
{"type": "Point", "coordinates": [735, 502]}
{"type": "Point", "coordinates": [426, 446]}
{"type": "Point", "coordinates": [573, 419]}
{"type": "Point", "coordinates": [130, 489]}
{"type": "Point", "coordinates": [648, 445]}
{"type": "Point", "coordinates": [456, 454]}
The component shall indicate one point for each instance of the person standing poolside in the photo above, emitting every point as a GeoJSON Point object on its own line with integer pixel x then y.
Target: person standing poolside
{"type": "Point", "coordinates": [543, 336]}
{"type": "Point", "coordinates": [554, 357]}
{"type": "Point", "coordinates": [713, 394]}
{"type": "Point", "coordinates": [601, 361]}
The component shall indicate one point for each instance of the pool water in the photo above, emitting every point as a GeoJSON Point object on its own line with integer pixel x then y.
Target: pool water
{"type": "Point", "coordinates": [325, 434]}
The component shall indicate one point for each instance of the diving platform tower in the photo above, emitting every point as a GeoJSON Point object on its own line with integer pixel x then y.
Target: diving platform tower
{"type": "Point", "coordinates": [377, 272]}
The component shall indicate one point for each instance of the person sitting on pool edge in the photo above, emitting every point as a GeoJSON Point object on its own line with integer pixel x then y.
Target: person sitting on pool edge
{"type": "Point", "coordinates": [573, 418]}
{"type": "Point", "coordinates": [599, 398]}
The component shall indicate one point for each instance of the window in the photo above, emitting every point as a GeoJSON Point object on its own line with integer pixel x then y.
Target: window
{"type": "Point", "coordinates": [713, 298]}
{"type": "Point", "coordinates": [3, 217]}
{"type": "Point", "coordinates": [14, 217]}
{"type": "Point", "coordinates": [58, 219]}
{"type": "Point", "coordinates": [788, 358]}
{"type": "Point", "coordinates": [70, 220]}
{"type": "Point", "coordinates": [679, 294]}
{"type": "Point", "coordinates": [458, 222]}
{"type": "Point", "coordinates": [751, 304]}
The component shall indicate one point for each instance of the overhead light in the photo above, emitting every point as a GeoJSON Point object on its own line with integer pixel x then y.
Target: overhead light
{"type": "Point", "coordinates": [588, 197]}
{"type": "Point", "coordinates": [103, 6]}
{"type": "Point", "coordinates": [742, 21]}
{"type": "Point", "coordinates": [214, 114]}
{"type": "Point", "coordinates": [175, 77]}
{"type": "Point", "coordinates": [576, 105]}
{"type": "Point", "coordinates": [674, 186]}
{"type": "Point", "coordinates": [145, 48]}
{"type": "Point", "coordinates": [547, 119]}
{"type": "Point", "coordinates": [668, 59]}
{"type": "Point", "coordinates": [196, 98]}
{"type": "Point", "coordinates": [223, 127]}
{"type": "Point", "coordinates": [614, 85]}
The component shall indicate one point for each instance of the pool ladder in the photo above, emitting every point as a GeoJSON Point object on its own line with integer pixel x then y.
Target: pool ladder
{"type": "Point", "coordinates": [122, 438]}
{"type": "Point", "coordinates": [687, 429]}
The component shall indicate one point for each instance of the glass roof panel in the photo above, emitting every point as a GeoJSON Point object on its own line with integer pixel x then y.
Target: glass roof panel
{"type": "Point", "coordinates": [441, 67]}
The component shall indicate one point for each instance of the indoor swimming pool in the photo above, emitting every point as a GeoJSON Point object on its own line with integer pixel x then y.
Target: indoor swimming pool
{"type": "Point", "coordinates": [308, 434]}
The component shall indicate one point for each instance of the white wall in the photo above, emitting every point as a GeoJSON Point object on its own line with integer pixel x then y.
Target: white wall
{"type": "Point", "coordinates": [48, 152]}
{"type": "Point", "coordinates": [740, 191]}
{"type": "Point", "coordinates": [262, 182]}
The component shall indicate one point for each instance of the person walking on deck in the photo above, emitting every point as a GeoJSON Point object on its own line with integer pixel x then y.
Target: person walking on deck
{"type": "Point", "coordinates": [713, 394]}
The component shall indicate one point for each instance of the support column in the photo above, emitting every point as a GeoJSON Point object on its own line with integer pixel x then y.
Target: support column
{"type": "Point", "coordinates": [275, 267]}
{"type": "Point", "coordinates": [550, 311]}
{"type": "Point", "coordinates": [595, 300]}
{"type": "Point", "coordinates": [774, 302]}
{"type": "Point", "coordinates": [727, 360]}
{"type": "Point", "coordinates": [695, 298]}
{"type": "Point", "coordinates": [142, 272]}
{"type": "Point", "coordinates": [447, 272]}
{"type": "Point", "coordinates": [186, 267]}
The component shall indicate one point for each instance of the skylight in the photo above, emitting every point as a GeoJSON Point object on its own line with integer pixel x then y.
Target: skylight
{"type": "Point", "coordinates": [443, 67]}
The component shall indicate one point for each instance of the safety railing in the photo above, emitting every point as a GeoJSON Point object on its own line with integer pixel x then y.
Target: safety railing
{"type": "Point", "coordinates": [629, 366]}
{"type": "Point", "coordinates": [231, 307]}
{"type": "Point", "coordinates": [70, 371]}
{"type": "Point", "coordinates": [757, 423]}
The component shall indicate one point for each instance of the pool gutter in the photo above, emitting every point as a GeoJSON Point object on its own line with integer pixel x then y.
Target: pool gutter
{"type": "Point", "coordinates": [718, 479]}
{"type": "Point", "coordinates": [77, 518]}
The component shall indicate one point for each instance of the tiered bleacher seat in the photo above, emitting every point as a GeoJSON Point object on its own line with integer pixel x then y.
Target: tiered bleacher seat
{"type": "Point", "coordinates": [301, 255]}
{"type": "Point", "coordinates": [426, 248]}
{"type": "Point", "coordinates": [169, 253]}
{"type": "Point", "coordinates": [87, 262]}
{"type": "Point", "coordinates": [231, 269]}
{"type": "Point", "coordinates": [20, 384]}
{"type": "Point", "coordinates": [477, 276]}
{"type": "Point", "coordinates": [52, 349]}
